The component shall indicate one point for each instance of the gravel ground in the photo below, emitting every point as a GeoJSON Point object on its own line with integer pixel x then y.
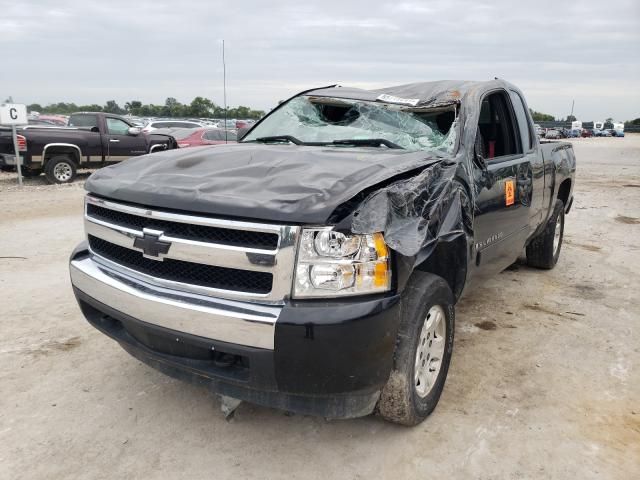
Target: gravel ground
{"type": "Point", "coordinates": [544, 382]}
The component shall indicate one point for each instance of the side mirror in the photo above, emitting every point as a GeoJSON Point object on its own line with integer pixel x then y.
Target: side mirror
{"type": "Point", "coordinates": [134, 131]}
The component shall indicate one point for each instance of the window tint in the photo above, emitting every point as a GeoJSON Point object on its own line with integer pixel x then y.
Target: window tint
{"type": "Point", "coordinates": [211, 135]}
{"type": "Point", "coordinates": [219, 135]}
{"type": "Point", "coordinates": [181, 134]}
{"type": "Point", "coordinates": [83, 120]}
{"type": "Point", "coordinates": [161, 124]}
{"type": "Point", "coordinates": [496, 129]}
{"type": "Point", "coordinates": [117, 127]}
{"type": "Point", "coordinates": [185, 125]}
{"type": "Point", "coordinates": [523, 120]}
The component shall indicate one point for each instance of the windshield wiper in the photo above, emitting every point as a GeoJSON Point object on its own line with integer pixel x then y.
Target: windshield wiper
{"type": "Point", "coordinates": [356, 142]}
{"type": "Point", "coordinates": [280, 138]}
{"type": "Point", "coordinates": [367, 142]}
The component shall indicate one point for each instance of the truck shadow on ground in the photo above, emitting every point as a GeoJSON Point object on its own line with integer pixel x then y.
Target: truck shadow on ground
{"type": "Point", "coordinates": [10, 179]}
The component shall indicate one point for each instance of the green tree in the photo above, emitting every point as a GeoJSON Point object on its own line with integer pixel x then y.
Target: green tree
{"type": "Point", "coordinates": [94, 107]}
{"type": "Point", "coordinates": [571, 118]}
{"type": "Point", "coordinates": [541, 117]}
{"type": "Point", "coordinates": [173, 108]}
{"type": "Point", "coordinates": [133, 107]}
{"type": "Point", "coordinates": [201, 107]}
{"type": "Point", "coordinates": [112, 107]}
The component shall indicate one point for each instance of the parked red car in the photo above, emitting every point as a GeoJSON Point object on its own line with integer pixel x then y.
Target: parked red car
{"type": "Point", "coordinates": [57, 120]}
{"type": "Point", "coordinates": [586, 133]}
{"type": "Point", "coordinates": [193, 137]}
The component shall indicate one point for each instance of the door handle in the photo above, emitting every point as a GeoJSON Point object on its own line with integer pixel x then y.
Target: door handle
{"type": "Point", "coordinates": [114, 140]}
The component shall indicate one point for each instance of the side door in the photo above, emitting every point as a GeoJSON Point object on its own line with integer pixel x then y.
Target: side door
{"type": "Point", "coordinates": [533, 155]}
{"type": "Point", "coordinates": [503, 179]}
{"type": "Point", "coordinates": [92, 148]}
{"type": "Point", "coordinates": [119, 143]}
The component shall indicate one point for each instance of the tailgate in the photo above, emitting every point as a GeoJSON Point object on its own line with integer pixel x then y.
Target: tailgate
{"type": "Point", "coordinates": [6, 141]}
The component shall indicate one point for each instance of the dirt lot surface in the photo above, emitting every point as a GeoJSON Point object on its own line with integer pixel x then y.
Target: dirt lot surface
{"type": "Point", "coordinates": [544, 382]}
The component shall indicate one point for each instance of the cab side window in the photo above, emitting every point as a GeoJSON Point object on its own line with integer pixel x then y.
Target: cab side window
{"type": "Point", "coordinates": [497, 129]}
{"type": "Point", "coordinates": [526, 129]}
{"type": "Point", "coordinates": [117, 127]}
{"type": "Point", "coordinates": [83, 120]}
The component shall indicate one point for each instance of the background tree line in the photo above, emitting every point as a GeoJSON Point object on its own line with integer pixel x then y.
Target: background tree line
{"type": "Point", "coordinates": [199, 107]}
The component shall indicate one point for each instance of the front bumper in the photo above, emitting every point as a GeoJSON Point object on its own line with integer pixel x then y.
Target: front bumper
{"type": "Point", "coordinates": [327, 358]}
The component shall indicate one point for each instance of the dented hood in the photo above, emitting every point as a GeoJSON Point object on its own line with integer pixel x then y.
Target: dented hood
{"type": "Point", "coordinates": [279, 183]}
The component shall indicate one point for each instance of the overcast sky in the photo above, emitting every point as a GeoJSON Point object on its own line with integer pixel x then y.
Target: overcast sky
{"type": "Point", "coordinates": [89, 51]}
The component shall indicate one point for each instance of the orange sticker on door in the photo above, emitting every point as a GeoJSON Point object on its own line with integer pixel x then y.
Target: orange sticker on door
{"type": "Point", "coordinates": [509, 192]}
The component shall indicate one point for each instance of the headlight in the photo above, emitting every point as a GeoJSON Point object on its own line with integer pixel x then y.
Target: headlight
{"type": "Point", "coordinates": [333, 264]}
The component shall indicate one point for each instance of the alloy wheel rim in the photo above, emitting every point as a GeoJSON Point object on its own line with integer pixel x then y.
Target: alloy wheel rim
{"type": "Point", "coordinates": [557, 235]}
{"type": "Point", "coordinates": [430, 351]}
{"type": "Point", "coordinates": [62, 172]}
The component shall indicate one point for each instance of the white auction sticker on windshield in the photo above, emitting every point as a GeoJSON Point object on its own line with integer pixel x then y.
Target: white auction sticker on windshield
{"type": "Point", "coordinates": [393, 99]}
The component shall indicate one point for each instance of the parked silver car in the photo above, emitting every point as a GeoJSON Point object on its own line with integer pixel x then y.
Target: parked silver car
{"type": "Point", "coordinates": [552, 134]}
{"type": "Point", "coordinates": [154, 125]}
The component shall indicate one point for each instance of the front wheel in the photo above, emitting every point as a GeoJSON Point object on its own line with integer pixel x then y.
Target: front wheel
{"type": "Point", "coordinates": [423, 351]}
{"type": "Point", "coordinates": [60, 169]}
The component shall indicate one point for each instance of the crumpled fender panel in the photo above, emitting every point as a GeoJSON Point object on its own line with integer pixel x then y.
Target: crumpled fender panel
{"type": "Point", "coordinates": [417, 213]}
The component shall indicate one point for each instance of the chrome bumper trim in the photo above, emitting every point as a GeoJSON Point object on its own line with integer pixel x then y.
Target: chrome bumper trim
{"type": "Point", "coordinates": [218, 319]}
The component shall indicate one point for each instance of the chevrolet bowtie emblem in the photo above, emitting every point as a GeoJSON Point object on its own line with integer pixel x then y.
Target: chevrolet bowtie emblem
{"type": "Point", "coordinates": [151, 245]}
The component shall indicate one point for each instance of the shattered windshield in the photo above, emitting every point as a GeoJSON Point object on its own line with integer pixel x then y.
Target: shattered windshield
{"type": "Point", "coordinates": [324, 120]}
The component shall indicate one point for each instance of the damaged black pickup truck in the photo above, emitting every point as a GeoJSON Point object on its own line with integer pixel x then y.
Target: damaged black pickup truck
{"type": "Point", "coordinates": [315, 265]}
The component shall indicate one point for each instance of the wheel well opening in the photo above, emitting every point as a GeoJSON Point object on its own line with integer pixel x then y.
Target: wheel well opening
{"type": "Point", "coordinates": [449, 261]}
{"type": "Point", "coordinates": [564, 190]}
{"type": "Point", "coordinates": [66, 151]}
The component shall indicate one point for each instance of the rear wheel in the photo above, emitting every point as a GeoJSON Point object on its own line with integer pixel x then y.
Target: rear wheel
{"type": "Point", "coordinates": [423, 351]}
{"type": "Point", "coordinates": [544, 250]}
{"type": "Point", "coordinates": [60, 169]}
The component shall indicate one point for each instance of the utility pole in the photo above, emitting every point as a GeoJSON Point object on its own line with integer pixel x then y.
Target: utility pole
{"type": "Point", "coordinates": [224, 90]}
{"type": "Point", "coordinates": [573, 102]}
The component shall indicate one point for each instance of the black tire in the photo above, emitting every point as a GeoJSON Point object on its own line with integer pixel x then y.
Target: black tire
{"type": "Point", "coordinates": [400, 402]}
{"type": "Point", "coordinates": [30, 173]}
{"type": "Point", "coordinates": [541, 251]}
{"type": "Point", "coordinates": [60, 169]}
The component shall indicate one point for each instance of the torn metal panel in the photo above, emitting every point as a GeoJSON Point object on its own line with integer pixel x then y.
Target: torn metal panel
{"type": "Point", "coordinates": [417, 213]}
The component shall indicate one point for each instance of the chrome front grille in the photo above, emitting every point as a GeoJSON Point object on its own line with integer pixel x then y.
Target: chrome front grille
{"type": "Point", "coordinates": [202, 233]}
{"type": "Point", "coordinates": [222, 258]}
